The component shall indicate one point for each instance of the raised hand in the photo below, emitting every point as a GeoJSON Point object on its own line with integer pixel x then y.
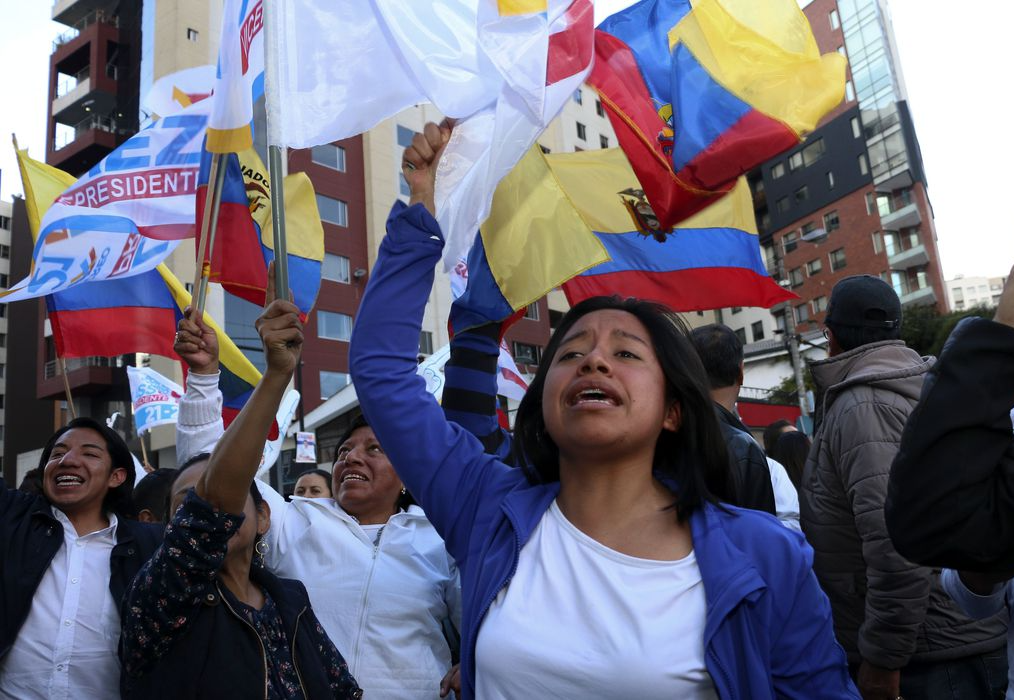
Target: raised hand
{"type": "Point", "coordinates": [281, 331]}
{"type": "Point", "coordinates": [419, 162]}
{"type": "Point", "coordinates": [196, 343]}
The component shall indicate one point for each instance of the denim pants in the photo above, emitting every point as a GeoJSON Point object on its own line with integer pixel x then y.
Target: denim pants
{"type": "Point", "coordinates": [981, 677]}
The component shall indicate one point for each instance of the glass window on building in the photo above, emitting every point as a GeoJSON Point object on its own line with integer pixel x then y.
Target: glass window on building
{"type": "Point", "coordinates": [334, 326]}
{"type": "Point", "coordinates": [757, 330]}
{"type": "Point", "coordinates": [425, 343]}
{"type": "Point", "coordinates": [856, 129]}
{"type": "Point", "coordinates": [335, 268]}
{"type": "Point", "coordinates": [582, 132]}
{"type": "Point", "coordinates": [819, 305]}
{"type": "Point", "coordinates": [808, 228]}
{"type": "Point", "coordinates": [782, 205]}
{"type": "Point", "coordinates": [830, 180]}
{"type": "Point", "coordinates": [802, 194]}
{"type": "Point", "coordinates": [790, 240]}
{"type": "Point", "coordinates": [332, 382]}
{"type": "Point", "coordinates": [333, 211]}
{"type": "Point", "coordinates": [813, 152]}
{"type": "Point", "coordinates": [532, 312]}
{"type": "Point", "coordinates": [796, 161]}
{"type": "Point", "coordinates": [578, 97]}
{"type": "Point", "coordinates": [796, 277]}
{"type": "Point", "coordinates": [831, 221]}
{"type": "Point", "coordinates": [837, 258]}
{"type": "Point", "coordinates": [599, 109]}
{"type": "Point", "coordinates": [741, 334]}
{"type": "Point", "coordinates": [603, 141]}
{"type": "Point", "coordinates": [330, 156]}
{"type": "Point", "coordinates": [5, 223]}
{"type": "Point", "coordinates": [525, 353]}
{"type": "Point", "coordinates": [864, 167]}
{"type": "Point", "coordinates": [737, 309]}
{"type": "Point", "coordinates": [958, 293]}
{"type": "Point", "coordinates": [878, 242]}
{"type": "Point", "coordinates": [405, 136]}
{"type": "Point", "coordinates": [850, 92]}
{"type": "Point", "coordinates": [834, 19]}
{"type": "Point", "coordinates": [871, 203]}
{"type": "Point", "coordinates": [802, 313]}
{"type": "Point", "coordinates": [778, 170]}
{"type": "Point", "coordinates": [814, 267]}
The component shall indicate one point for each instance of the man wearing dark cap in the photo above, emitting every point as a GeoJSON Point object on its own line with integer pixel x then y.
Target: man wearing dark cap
{"type": "Point", "coordinates": [902, 634]}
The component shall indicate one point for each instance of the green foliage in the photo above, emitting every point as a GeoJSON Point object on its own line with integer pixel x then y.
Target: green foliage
{"type": "Point", "coordinates": [925, 330]}
{"type": "Point", "coordinates": [785, 393]}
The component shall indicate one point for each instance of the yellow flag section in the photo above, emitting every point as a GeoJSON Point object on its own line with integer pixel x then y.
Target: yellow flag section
{"type": "Point", "coordinates": [600, 186]}
{"type": "Point", "coordinates": [764, 53]}
{"type": "Point", "coordinates": [534, 238]}
{"type": "Point", "coordinates": [43, 184]}
{"type": "Point", "coordinates": [304, 233]}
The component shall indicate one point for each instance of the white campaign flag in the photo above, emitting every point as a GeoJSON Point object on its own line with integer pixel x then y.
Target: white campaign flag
{"type": "Point", "coordinates": [155, 398]}
{"type": "Point", "coordinates": [336, 68]}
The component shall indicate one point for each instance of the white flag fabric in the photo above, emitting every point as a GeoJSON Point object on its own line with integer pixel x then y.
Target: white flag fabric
{"type": "Point", "coordinates": [126, 214]}
{"type": "Point", "coordinates": [505, 68]}
{"type": "Point", "coordinates": [155, 398]}
{"type": "Point", "coordinates": [240, 76]}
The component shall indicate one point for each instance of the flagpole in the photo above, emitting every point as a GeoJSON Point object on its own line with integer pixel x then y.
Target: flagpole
{"type": "Point", "coordinates": [144, 453]}
{"type": "Point", "coordinates": [66, 386]}
{"type": "Point", "coordinates": [276, 154]}
{"type": "Point", "coordinates": [206, 236]}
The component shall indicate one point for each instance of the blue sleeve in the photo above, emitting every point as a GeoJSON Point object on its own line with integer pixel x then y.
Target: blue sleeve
{"type": "Point", "coordinates": [443, 465]}
{"type": "Point", "coordinates": [806, 660]}
{"type": "Point", "coordinates": [167, 594]}
{"type": "Point", "coordinates": [977, 607]}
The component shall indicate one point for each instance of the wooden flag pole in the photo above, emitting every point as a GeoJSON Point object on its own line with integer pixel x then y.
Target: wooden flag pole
{"type": "Point", "coordinates": [144, 453]}
{"type": "Point", "coordinates": [66, 386]}
{"type": "Point", "coordinates": [206, 235]}
{"type": "Point", "coordinates": [276, 177]}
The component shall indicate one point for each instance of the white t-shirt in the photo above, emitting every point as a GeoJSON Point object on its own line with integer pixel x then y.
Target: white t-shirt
{"type": "Point", "coordinates": [580, 620]}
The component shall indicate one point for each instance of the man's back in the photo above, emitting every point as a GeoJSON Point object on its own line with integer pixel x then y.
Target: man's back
{"type": "Point", "coordinates": [886, 610]}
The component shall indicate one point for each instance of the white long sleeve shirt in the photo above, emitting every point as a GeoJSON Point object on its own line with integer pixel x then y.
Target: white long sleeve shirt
{"type": "Point", "coordinates": [67, 647]}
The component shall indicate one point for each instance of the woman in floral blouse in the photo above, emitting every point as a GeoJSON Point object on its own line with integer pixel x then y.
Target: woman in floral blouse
{"type": "Point", "coordinates": [203, 619]}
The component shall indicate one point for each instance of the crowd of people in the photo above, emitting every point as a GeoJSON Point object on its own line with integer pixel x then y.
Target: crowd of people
{"type": "Point", "coordinates": [629, 538]}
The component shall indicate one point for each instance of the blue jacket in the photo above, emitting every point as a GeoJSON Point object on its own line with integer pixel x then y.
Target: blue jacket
{"type": "Point", "coordinates": [768, 629]}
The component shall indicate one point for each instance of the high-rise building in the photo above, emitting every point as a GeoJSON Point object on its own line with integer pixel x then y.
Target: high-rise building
{"type": "Point", "coordinates": [6, 211]}
{"type": "Point", "coordinates": [852, 199]}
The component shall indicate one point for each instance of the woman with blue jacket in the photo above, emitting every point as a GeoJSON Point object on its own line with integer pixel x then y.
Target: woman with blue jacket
{"type": "Point", "coordinates": [606, 567]}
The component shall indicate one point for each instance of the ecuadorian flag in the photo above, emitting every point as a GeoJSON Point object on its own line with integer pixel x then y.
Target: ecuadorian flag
{"type": "Point", "coordinates": [583, 217]}
{"type": "Point", "coordinates": [244, 245]}
{"type": "Point", "coordinates": [700, 95]}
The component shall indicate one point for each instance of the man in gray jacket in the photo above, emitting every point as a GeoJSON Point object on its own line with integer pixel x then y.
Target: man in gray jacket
{"type": "Point", "coordinates": [903, 636]}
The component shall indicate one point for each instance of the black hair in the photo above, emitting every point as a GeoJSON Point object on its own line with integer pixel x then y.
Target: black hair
{"type": "Point", "coordinates": [318, 472]}
{"type": "Point", "coordinates": [152, 492]}
{"type": "Point", "coordinates": [791, 450]}
{"type": "Point", "coordinates": [118, 499]}
{"type": "Point", "coordinates": [255, 493]}
{"type": "Point", "coordinates": [772, 432]}
{"type": "Point", "coordinates": [721, 352]}
{"type": "Point", "coordinates": [405, 498]}
{"type": "Point", "coordinates": [691, 461]}
{"type": "Point", "coordinates": [849, 337]}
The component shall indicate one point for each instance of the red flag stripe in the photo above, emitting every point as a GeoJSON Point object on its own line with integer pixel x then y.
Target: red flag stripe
{"type": "Point", "coordinates": [570, 50]}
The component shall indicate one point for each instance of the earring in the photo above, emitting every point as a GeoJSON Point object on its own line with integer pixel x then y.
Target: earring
{"type": "Point", "coordinates": [403, 491]}
{"type": "Point", "coordinates": [261, 550]}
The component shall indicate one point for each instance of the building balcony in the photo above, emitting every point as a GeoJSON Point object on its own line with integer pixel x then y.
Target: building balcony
{"type": "Point", "coordinates": [902, 218]}
{"type": "Point", "coordinates": [73, 12]}
{"type": "Point", "coordinates": [923, 296]}
{"type": "Point", "coordinates": [906, 259]}
{"type": "Point", "coordinates": [86, 376]}
{"type": "Point", "coordinates": [78, 148]}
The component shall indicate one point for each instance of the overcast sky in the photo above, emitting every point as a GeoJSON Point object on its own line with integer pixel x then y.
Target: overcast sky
{"type": "Point", "coordinates": [955, 59]}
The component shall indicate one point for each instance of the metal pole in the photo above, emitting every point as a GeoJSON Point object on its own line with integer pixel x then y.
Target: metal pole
{"type": "Point", "coordinates": [797, 370]}
{"type": "Point", "coordinates": [276, 175]}
{"type": "Point", "coordinates": [206, 236]}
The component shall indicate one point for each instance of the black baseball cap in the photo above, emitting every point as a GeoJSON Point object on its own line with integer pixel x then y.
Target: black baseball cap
{"type": "Point", "coordinates": [864, 301]}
